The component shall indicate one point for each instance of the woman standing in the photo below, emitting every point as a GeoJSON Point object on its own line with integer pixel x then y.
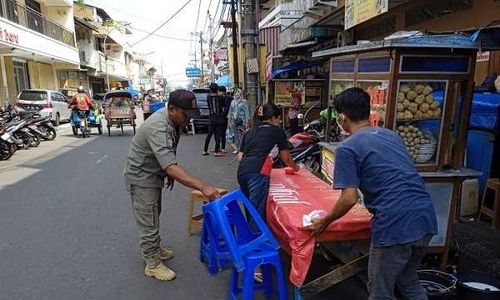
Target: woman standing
{"type": "Point", "coordinates": [255, 163]}
{"type": "Point", "coordinates": [294, 110]}
{"type": "Point", "coordinates": [238, 120]}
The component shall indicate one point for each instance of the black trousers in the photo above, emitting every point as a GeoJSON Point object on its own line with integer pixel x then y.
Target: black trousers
{"type": "Point", "coordinates": [294, 126]}
{"type": "Point", "coordinates": [223, 138]}
{"type": "Point", "coordinates": [217, 130]}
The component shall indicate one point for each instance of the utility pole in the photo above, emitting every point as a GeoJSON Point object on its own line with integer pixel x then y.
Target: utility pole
{"type": "Point", "coordinates": [249, 32]}
{"type": "Point", "coordinates": [212, 66]}
{"type": "Point", "coordinates": [201, 59]}
{"type": "Point", "coordinates": [234, 33]}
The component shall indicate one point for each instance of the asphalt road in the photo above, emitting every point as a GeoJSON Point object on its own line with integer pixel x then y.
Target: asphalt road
{"type": "Point", "coordinates": [67, 230]}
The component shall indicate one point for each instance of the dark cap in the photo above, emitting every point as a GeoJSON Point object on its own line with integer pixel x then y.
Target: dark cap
{"type": "Point", "coordinates": [186, 101]}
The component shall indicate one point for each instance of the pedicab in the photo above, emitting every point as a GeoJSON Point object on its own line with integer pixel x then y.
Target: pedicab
{"type": "Point", "coordinates": [120, 110]}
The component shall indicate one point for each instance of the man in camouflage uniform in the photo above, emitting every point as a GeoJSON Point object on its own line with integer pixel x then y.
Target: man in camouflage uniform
{"type": "Point", "coordinates": [151, 161]}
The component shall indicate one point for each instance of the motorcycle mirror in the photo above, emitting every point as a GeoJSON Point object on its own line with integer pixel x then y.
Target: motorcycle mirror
{"type": "Point", "coordinates": [300, 116]}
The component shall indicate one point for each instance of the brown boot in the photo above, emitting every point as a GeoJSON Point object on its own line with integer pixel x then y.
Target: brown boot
{"type": "Point", "coordinates": [160, 272]}
{"type": "Point", "coordinates": [166, 254]}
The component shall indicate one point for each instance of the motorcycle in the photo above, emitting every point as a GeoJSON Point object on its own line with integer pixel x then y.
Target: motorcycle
{"type": "Point", "coordinates": [79, 120]}
{"type": "Point", "coordinates": [304, 149]}
{"type": "Point", "coordinates": [6, 148]}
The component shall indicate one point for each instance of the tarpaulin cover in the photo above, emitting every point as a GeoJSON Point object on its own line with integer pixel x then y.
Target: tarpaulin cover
{"type": "Point", "coordinates": [293, 196]}
{"type": "Point", "coordinates": [224, 80]}
{"type": "Point", "coordinates": [295, 66]}
{"type": "Point", "coordinates": [485, 112]}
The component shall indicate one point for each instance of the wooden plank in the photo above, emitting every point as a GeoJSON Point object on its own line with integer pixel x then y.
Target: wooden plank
{"type": "Point", "coordinates": [336, 276]}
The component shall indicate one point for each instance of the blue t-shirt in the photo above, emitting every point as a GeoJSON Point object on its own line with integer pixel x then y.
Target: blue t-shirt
{"type": "Point", "coordinates": [376, 161]}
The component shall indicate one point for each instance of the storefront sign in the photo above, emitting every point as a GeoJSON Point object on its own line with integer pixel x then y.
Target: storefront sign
{"type": "Point", "coordinates": [193, 72]}
{"type": "Point", "coordinates": [283, 91]}
{"type": "Point", "coordinates": [358, 11]}
{"type": "Point", "coordinates": [10, 37]}
{"type": "Point", "coordinates": [483, 56]}
{"type": "Point", "coordinates": [221, 54]}
{"type": "Point", "coordinates": [311, 91]}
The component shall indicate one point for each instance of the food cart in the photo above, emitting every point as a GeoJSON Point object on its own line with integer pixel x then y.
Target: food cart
{"type": "Point", "coordinates": [420, 87]}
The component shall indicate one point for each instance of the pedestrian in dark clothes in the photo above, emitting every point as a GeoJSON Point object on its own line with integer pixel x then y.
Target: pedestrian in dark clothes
{"type": "Point", "coordinates": [216, 106]}
{"type": "Point", "coordinates": [255, 166]}
{"type": "Point", "coordinates": [227, 105]}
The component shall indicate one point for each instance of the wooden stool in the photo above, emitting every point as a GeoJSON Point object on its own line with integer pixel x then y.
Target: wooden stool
{"type": "Point", "coordinates": [493, 185]}
{"type": "Point", "coordinates": [196, 222]}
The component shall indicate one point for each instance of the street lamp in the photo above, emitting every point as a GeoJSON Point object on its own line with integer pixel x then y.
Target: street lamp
{"type": "Point", "coordinates": [105, 50]}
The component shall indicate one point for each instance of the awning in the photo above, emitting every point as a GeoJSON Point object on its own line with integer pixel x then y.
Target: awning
{"type": "Point", "coordinates": [298, 46]}
{"type": "Point", "coordinates": [224, 80]}
{"type": "Point", "coordinates": [133, 91]}
{"type": "Point", "coordinates": [295, 66]}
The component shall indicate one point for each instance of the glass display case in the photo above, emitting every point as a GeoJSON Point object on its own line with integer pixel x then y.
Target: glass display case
{"type": "Point", "coordinates": [415, 92]}
{"type": "Point", "coordinates": [419, 118]}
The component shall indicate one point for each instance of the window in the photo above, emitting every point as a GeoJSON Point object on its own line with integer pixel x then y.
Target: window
{"type": "Point", "coordinates": [62, 98]}
{"type": "Point", "coordinates": [21, 76]}
{"type": "Point", "coordinates": [99, 42]}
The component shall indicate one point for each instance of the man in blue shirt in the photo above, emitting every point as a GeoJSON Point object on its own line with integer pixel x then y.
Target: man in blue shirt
{"type": "Point", "coordinates": [375, 161]}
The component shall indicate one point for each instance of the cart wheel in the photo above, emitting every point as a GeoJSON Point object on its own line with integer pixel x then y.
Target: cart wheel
{"type": "Point", "coordinates": [109, 130]}
{"type": "Point", "coordinates": [99, 129]}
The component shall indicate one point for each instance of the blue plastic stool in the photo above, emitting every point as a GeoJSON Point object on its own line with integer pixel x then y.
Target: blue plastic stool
{"type": "Point", "coordinates": [247, 249]}
{"type": "Point", "coordinates": [213, 249]}
{"type": "Point", "coordinates": [266, 260]}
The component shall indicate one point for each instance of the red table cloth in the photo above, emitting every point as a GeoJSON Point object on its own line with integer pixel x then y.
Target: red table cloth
{"type": "Point", "coordinates": [293, 196]}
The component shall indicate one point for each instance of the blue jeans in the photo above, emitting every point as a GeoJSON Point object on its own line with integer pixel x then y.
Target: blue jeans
{"type": "Point", "coordinates": [255, 187]}
{"type": "Point", "coordinates": [397, 264]}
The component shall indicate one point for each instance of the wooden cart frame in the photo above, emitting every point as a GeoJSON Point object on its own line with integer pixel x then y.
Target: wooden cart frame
{"type": "Point", "coordinates": [120, 110]}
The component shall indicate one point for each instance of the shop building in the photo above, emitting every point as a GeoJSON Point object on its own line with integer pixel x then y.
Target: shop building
{"type": "Point", "coordinates": [37, 38]}
{"type": "Point", "coordinates": [104, 54]}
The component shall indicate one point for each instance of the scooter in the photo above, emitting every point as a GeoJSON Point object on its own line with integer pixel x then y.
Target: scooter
{"type": "Point", "coordinates": [79, 120]}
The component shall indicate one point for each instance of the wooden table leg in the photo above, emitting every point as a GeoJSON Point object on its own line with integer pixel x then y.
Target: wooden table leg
{"type": "Point", "coordinates": [334, 277]}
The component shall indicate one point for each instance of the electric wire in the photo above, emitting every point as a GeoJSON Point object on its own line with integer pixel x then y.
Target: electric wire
{"type": "Point", "coordinates": [163, 24]}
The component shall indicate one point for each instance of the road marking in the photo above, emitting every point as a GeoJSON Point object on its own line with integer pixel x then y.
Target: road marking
{"type": "Point", "coordinates": [99, 161]}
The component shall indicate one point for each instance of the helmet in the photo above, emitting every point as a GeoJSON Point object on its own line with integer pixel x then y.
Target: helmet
{"type": "Point", "coordinates": [81, 89]}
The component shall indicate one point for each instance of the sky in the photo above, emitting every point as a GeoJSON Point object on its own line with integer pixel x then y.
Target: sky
{"type": "Point", "coordinates": [147, 15]}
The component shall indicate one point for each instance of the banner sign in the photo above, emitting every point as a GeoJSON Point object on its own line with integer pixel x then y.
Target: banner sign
{"type": "Point", "coordinates": [358, 11]}
{"type": "Point", "coordinates": [193, 72]}
{"type": "Point", "coordinates": [310, 90]}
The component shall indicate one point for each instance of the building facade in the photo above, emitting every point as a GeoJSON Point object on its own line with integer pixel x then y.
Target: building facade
{"type": "Point", "coordinates": [37, 38]}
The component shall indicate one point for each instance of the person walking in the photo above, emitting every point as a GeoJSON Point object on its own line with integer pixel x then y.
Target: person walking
{"type": "Point", "coordinates": [216, 106]}
{"type": "Point", "coordinates": [151, 160]}
{"type": "Point", "coordinates": [255, 166]}
{"type": "Point", "coordinates": [238, 120]}
{"type": "Point", "coordinates": [375, 161]}
{"type": "Point", "coordinates": [227, 104]}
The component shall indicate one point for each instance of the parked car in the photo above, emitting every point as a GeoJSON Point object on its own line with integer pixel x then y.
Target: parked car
{"type": "Point", "coordinates": [201, 100]}
{"type": "Point", "coordinates": [46, 103]}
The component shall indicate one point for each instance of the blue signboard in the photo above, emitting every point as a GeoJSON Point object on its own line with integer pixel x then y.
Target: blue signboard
{"type": "Point", "coordinates": [193, 72]}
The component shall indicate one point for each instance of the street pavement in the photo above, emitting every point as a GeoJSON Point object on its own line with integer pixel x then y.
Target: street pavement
{"type": "Point", "coordinates": [67, 229]}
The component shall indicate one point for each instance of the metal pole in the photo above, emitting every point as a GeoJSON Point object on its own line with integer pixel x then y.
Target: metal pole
{"type": "Point", "coordinates": [201, 60]}
{"type": "Point", "coordinates": [106, 58]}
{"type": "Point", "coordinates": [212, 67]}
{"type": "Point", "coordinates": [105, 51]}
{"type": "Point", "coordinates": [236, 75]}
{"type": "Point", "coordinates": [257, 46]}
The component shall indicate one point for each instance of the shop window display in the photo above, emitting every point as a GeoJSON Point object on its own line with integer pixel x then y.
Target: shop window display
{"type": "Point", "coordinates": [419, 118]}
